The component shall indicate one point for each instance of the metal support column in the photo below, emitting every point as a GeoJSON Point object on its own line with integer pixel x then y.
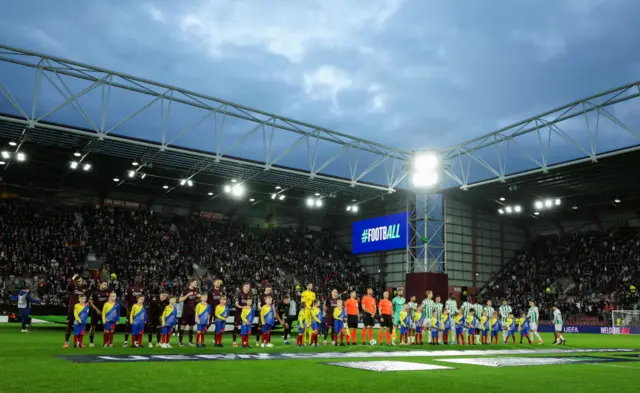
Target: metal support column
{"type": "Point", "coordinates": [425, 243]}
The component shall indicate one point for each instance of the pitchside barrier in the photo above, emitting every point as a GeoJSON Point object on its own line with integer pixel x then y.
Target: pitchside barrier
{"type": "Point", "coordinates": [592, 329]}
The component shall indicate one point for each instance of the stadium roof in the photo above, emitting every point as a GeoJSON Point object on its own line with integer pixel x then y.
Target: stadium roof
{"type": "Point", "coordinates": [585, 188]}
{"type": "Point", "coordinates": [65, 106]}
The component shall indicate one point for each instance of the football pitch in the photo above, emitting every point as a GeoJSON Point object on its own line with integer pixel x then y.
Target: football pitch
{"type": "Point", "coordinates": [36, 362]}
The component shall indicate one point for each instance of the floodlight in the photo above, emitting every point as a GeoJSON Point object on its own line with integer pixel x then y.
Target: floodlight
{"type": "Point", "coordinates": [317, 194]}
{"type": "Point", "coordinates": [425, 162]}
{"type": "Point", "coordinates": [86, 167]}
{"type": "Point", "coordinates": [318, 202]}
{"type": "Point", "coordinates": [73, 164]}
{"type": "Point", "coordinates": [135, 163]}
{"type": "Point", "coordinates": [500, 211]}
{"type": "Point", "coordinates": [132, 173]}
{"type": "Point", "coordinates": [575, 207]}
{"type": "Point", "coordinates": [617, 200]}
{"type": "Point", "coordinates": [274, 196]}
{"type": "Point", "coordinates": [355, 208]}
{"type": "Point", "coordinates": [2, 162]}
{"type": "Point", "coordinates": [349, 208]}
{"type": "Point", "coordinates": [539, 205]}
{"type": "Point", "coordinates": [424, 179]}
{"type": "Point", "coordinates": [227, 189]}
{"type": "Point", "coordinates": [190, 182]}
{"type": "Point", "coordinates": [21, 156]}
{"type": "Point", "coordinates": [237, 190]}
{"type": "Point", "coordinates": [517, 208]}
{"type": "Point", "coordinates": [252, 200]}
{"type": "Point", "coordinates": [557, 202]}
{"type": "Point", "coordinates": [233, 180]}
{"type": "Point", "coordinates": [77, 154]}
{"type": "Point", "coordinates": [210, 193]}
{"type": "Point", "coordinates": [165, 187]}
{"type": "Point", "coordinates": [502, 199]}
{"type": "Point", "coordinates": [115, 179]}
{"type": "Point", "coordinates": [509, 209]}
{"type": "Point", "coordinates": [278, 188]}
{"type": "Point", "coordinates": [143, 175]}
{"type": "Point", "coordinates": [6, 155]}
{"type": "Point", "coordinates": [536, 213]}
{"type": "Point", "coordinates": [13, 143]}
{"type": "Point", "coordinates": [281, 197]}
{"type": "Point", "coordinates": [548, 203]}
{"type": "Point", "coordinates": [310, 202]}
{"type": "Point", "coordinates": [183, 182]}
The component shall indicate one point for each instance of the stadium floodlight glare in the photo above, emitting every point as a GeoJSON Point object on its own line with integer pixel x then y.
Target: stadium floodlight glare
{"type": "Point", "coordinates": [274, 196]}
{"type": "Point", "coordinates": [166, 187]}
{"type": "Point", "coordinates": [355, 208]}
{"type": "Point", "coordinates": [517, 208]}
{"type": "Point", "coordinates": [77, 154]}
{"type": "Point", "coordinates": [502, 199]}
{"type": "Point", "coordinates": [278, 188]}
{"type": "Point", "coordinates": [13, 143]}
{"type": "Point", "coordinates": [318, 202]}
{"type": "Point", "coordinates": [536, 213]}
{"type": "Point", "coordinates": [617, 200]}
{"type": "Point", "coordinates": [86, 167]}
{"type": "Point", "coordinates": [575, 207]}
{"type": "Point", "coordinates": [227, 189]}
{"type": "Point", "coordinates": [132, 173]}
{"type": "Point", "coordinates": [557, 202]}
{"type": "Point", "coordinates": [210, 193]}
{"type": "Point", "coordinates": [548, 203]}
{"type": "Point", "coordinates": [6, 155]}
{"type": "Point", "coordinates": [509, 209]}
{"type": "Point", "coordinates": [317, 194]}
{"type": "Point", "coordinates": [349, 208]}
{"type": "Point", "coordinates": [310, 202]}
{"type": "Point", "coordinates": [233, 180]}
{"type": "Point", "coordinates": [539, 205]}
{"type": "Point", "coordinates": [2, 163]}
{"type": "Point", "coordinates": [21, 156]}
{"type": "Point", "coordinates": [135, 163]}
{"type": "Point", "coordinates": [183, 182]}
{"type": "Point", "coordinates": [252, 200]}
{"type": "Point", "coordinates": [73, 164]}
{"type": "Point", "coordinates": [281, 197]}
{"type": "Point", "coordinates": [500, 211]}
{"type": "Point", "coordinates": [115, 179]}
{"type": "Point", "coordinates": [142, 175]}
{"type": "Point", "coordinates": [237, 190]}
{"type": "Point", "coordinates": [424, 179]}
{"type": "Point", "coordinates": [189, 182]}
{"type": "Point", "coordinates": [425, 162]}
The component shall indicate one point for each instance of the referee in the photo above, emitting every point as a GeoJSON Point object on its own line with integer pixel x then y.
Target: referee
{"type": "Point", "coordinates": [352, 316]}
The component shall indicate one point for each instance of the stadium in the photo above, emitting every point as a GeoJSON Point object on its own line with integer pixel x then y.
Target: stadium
{"type": "Point", "coordinates": [543, 210]}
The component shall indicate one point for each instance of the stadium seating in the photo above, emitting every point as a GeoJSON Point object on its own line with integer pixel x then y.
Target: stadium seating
{"type": "Point", "coordinates": [43, 247]}
{"type": "Point", "coordinates": [579, 272]}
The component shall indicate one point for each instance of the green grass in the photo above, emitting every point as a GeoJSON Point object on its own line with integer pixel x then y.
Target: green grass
{"type": "Point", "coordinates": [29, 362]}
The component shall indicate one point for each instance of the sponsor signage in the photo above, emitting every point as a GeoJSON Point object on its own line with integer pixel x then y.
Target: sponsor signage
{"type": "Point", "coordinates": [120, 203]}
{"type": "Point", "coordinates": [537, 361]}
{"type": "Point", "coordinates": [387, 366]}
{"type": "Point", "coordinates": [379, 234]}
{"type": "Point", "coordinates": [321, 355]}
{"type": "Point", "coordinates": [212, 216]}
{"type": "Point", "coordinates": [592, 329]}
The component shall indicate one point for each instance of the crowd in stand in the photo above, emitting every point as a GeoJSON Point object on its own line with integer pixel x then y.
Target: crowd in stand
{"type": "Point", "coordinates": [585, 274]}
{"type": "Point", "coordinates": [43, 247]}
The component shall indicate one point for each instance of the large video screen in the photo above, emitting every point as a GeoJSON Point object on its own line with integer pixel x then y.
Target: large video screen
{"type": "Point", "coordinates": [379, 234]}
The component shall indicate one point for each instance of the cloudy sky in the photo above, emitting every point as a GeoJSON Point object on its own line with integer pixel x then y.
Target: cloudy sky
{"type": "Point", "coordinates": [408, 73]}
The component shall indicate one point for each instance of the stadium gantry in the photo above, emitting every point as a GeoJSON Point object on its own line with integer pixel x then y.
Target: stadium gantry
{"type": "Point", "coordinates": [59, 106]}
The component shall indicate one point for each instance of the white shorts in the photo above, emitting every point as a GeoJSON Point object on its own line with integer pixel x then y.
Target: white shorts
{"type": "Point", "coordinates": [558, 327]}
{"type": "Point", "coordinates": [533, 327]}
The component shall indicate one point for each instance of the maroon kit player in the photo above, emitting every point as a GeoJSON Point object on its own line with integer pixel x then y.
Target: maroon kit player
{"type": "Point", "coordinates": [189, 299]}
{"type": "Point", "coordinates": [262, 301]}
{"type": "Point", "coordinates": [131, 297]}
{"type": "Point", "coordinates": [330, 304]}
{"type": "Point", "coordinates": [214, 299]}
{"type": "Point", "coordinates": [98, 298]}
{"type": "Point", "coordinates": [75, 288]}
{"type": "Point", "coordinates": [241, 301]}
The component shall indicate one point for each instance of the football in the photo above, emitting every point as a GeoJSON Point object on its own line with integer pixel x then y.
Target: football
{"type": "Point", "coordinates": [373, 342]}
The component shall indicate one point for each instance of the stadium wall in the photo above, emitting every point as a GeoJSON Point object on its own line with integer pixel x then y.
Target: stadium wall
{"type": "Point", "coordinates": [597, 222]}
{"type": "Point", "coordinates": [477, 244]}
{"type": "Point", "coordinates": [389, 266]}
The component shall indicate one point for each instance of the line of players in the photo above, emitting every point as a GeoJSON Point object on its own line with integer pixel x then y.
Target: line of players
{"type": "Point", "coordinates": [202, 310]}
